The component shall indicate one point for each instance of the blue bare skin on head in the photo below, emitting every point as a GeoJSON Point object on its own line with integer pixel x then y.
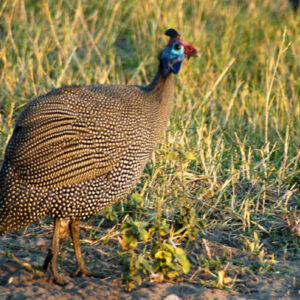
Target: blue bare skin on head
{"type": "Point", "coordinates": [172, 57]}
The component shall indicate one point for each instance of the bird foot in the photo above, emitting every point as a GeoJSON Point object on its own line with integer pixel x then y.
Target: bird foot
{"type": "Point", "coordinates": [59, 279]}
{"type": "Point", "coordinates": [82, 271]}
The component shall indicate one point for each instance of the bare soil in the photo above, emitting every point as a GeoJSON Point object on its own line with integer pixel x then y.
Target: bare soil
{"type": "Point", "coordinates": [21, 277]}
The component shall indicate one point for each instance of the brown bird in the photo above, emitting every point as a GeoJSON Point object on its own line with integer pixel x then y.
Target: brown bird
{"type": "Point", "coordinates": [79, 149]}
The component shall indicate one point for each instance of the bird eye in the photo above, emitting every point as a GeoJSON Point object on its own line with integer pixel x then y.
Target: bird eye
{"type": "Point", "coordinates": [177, 46]}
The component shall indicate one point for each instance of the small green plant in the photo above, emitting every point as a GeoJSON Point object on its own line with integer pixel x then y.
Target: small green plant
{"type": "Point", "coordinates": [157, 256]}
{"type": "Point", "coordinates": [254, 245]}
{"type": "Point", "coordinates": [170, 260]}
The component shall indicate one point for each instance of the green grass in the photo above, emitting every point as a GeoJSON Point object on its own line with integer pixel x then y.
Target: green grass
{"type": "Point", "coordinates": [228, 165]}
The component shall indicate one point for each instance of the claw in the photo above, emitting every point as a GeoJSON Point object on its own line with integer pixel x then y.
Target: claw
{"type": "Point", "coordinates": [82, 272]}
{"type": "Point", "coordinates": [59, 279]}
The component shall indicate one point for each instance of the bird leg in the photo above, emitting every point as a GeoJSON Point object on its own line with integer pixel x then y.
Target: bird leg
{"type": "Point", "coordinates": [74, 229]}
{"type": "Point", "coordinates": [51, 258]}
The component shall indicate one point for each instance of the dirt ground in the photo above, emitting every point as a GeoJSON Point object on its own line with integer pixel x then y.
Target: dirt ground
{"type": "Point", "coordinates": [17, 282]}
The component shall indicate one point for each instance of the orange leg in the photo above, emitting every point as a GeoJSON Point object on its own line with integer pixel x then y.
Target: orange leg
{"type": "Point", "coordinates": [74, 229]}
{"type": "Point", "coordinates": [51, 258]}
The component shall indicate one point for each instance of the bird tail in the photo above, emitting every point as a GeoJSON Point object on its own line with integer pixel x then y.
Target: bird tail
{"type": "Point", "coordinates": [20, 203]}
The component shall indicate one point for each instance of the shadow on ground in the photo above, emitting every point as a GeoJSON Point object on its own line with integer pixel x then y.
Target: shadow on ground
{"type": "Point", "coordinates": [17, 282]}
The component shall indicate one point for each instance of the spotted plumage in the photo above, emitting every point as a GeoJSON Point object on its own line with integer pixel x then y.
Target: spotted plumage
{"type": "Point", "coordinates": [78, 149]}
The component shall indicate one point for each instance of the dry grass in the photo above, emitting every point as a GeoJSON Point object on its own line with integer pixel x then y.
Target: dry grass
{"type": "Point", "coordinates": [228, 167]}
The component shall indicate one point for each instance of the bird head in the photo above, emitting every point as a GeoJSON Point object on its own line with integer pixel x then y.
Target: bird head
{"type": "Point", "coordinates": [173, 54]}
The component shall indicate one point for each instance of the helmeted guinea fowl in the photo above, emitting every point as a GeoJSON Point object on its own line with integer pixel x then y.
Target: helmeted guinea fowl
{"type": "Point", "coordinates": [78, 149]}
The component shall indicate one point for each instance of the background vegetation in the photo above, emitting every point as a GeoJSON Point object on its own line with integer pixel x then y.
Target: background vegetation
{"type": "Point", "coordinates": [220, 198]}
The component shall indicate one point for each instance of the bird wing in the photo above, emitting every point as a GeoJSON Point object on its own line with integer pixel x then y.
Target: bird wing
{"type": "Point", "coordinates": [68, 137]}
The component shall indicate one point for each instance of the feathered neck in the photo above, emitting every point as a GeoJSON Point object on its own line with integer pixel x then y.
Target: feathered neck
{"type": "Point", "coordinates": [159, 100]}
{"type": "Point", "coordinates": [161, 84]}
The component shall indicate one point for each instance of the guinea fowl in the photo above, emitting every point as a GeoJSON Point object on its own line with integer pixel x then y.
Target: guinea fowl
{"type": "Point", "coordinates": [78, 149]}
